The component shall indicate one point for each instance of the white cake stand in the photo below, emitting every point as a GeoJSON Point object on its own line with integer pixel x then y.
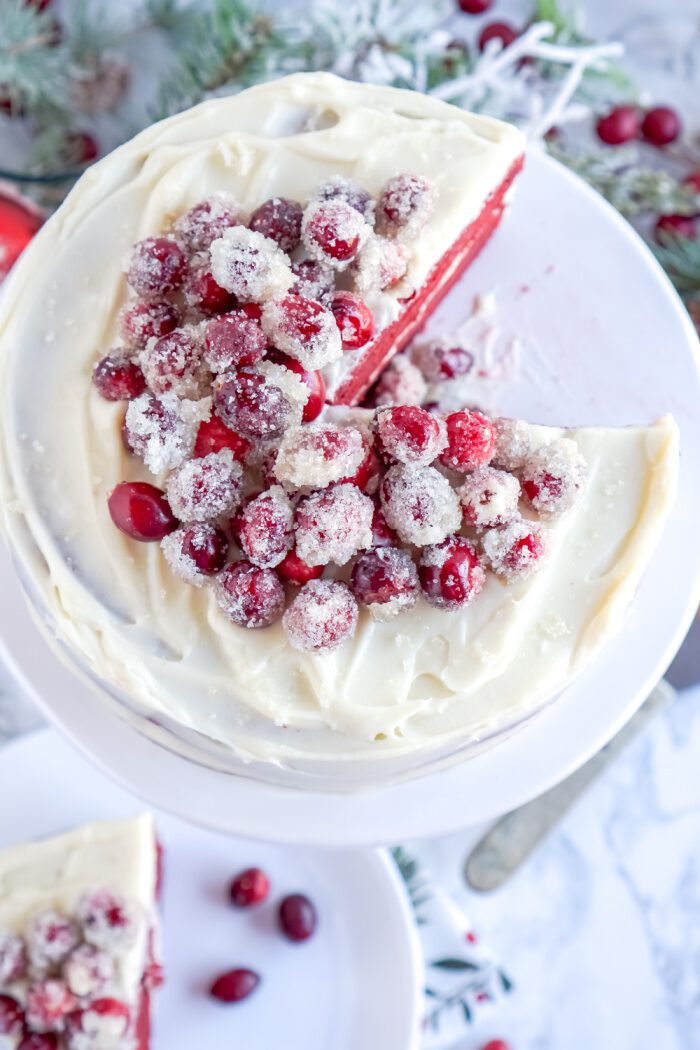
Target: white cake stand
{"type": "Point", "coordinates": [604, 340]}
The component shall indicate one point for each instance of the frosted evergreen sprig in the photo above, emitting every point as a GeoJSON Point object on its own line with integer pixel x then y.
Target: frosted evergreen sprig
{"type": "Point", "coordinates": [32, 63]}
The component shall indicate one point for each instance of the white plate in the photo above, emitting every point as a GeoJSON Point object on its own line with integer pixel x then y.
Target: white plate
{"type": "Point", "coordinates": [355, 984]}
{"type": "Point", "coordinates": [606, 340]}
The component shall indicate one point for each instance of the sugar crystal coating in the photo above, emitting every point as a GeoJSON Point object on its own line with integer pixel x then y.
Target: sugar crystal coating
{"type": "Point", "coordinates": [313, 280]}
{"type": "Point", "coordinates": [513, 443]}
{"type": "Point", "coordinates": [102, 1024]}
{"type": "Point", "coordinates": [156, 266]}
{"type": "Point", "coordinates": [333, 525]}
{"type": "Point", "coordinates": [304, 329]}
{"type": "Point", "coordinates": [249, 596]}
{"type": "Point", "coordinates": [381, 264]}
{"type": "Point", "coordinates": [266, 528]}
{"type": "Point", "coordinates": [173, 364]}
{"type": "Point", "coordinates": [234, 340]}
{"type": "Point", "coordinates": [162, 430]}
{"type": "Point", "coordinates": [409, 434]}
{"type": "Point", "coordinates": [201, 292]}
{"type": "Point", "coordinates": [109, 921]}
{"type": "Point", "coordinates": [318, 454]}
{"type": "Point", "coordinates": [280, 220]}
{"type": "Point", "coordinates": [450, 572]}
{"type": "Point", "coordinates": [516, 550]}
{"type": "Point", "coordinates": [552, 477]}
{"type": "Point", "coordinates": [401, 383]}
{"type": "Point", "coordinates": [48, 1004]}
{"type": "Point", "coordinates": [145, 319]}
{"type": "Point", "coordinates": [88, 971]}
{"type": "Point", "coordinates": [51, 937]}
{"type": "Point", "coordinates": [13, 958]}
{"type": "Point", "coordinates": [385, 579]}
{"type": "Point", "coordinates": [202, 489]}
{"type": "Point", "coordinates": [405, 204]}
{"type": "Point", "coordinates": [333, 232]}
{"type": "Point", "coordinates": [207, 221]}
{"type": "Point", "coordinates": [195, 552]}
{"type": "Point", "coordinates": [337, 187]}
{"type": "Point", "coordinates": [250, 265]}
{"type": "Point", "coordinates": [470, 441]}
{"type": "Point", "coordinates": [260, 404]}
{"type": "Point", "coordinates": [489, 497]}
{"type": "Point", "coordinates": [321, 617]}
{"type": "Point", "coordinates": [117, 378]}
{"type": "Point", "coordinates": [419, 504]}
{"type": "Point", "coordinates": [438, 361]}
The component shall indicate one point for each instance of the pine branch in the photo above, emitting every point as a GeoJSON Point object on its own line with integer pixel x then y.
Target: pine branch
{"type": "Point", "coordinates": [680, 257]}
{"type": "Point", "coordinates": [31, 62]}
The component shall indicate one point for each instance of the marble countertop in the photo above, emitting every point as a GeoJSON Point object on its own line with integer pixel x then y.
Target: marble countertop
{"type": "Point", "coordinates": [600, 930]}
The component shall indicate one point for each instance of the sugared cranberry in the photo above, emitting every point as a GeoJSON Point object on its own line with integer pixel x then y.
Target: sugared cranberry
{"type": "Point", "coordinates": [489, 497]}
{"type": "Point", "coordinates": [39, 1041]}
{"type": "Point", "coordinates": [409, 434]}
{"type": "Point", "coordinates": [516, 549]}
{"type": "Point", "coordinates": [450, 573]}
{"type": "Point", "coordinates": [249, 596]}
{"type": "Point", "coordinates": [693, 181]}
{"type": "Point", "coordinates": [233, 341]}
{"type": "Point", "coordinates": [141, 511]}
{"type": "Point", "coordinates": [196, 550]}
{"type": "Point", "coordinates": [109, 921]}
{"type": "Point", "coordinates": [496, 1044]}
{"type": "Point", "coordinates": [321, 617]}
{"type": "Point", "coordinates": [116, 378]}
{"type": "Point", "coordinates": [294, 570]}
{"type": "Point", "coordinates": [552, 477]}
{"type": "Point", "coordinates": [160, 430]}
{"type": "Point", "coordinates": [382, 534]}
{"type": "Point", "coordinates": [88, 970]}
{"type": "Point", "coordinates": [354, 319]}
{"type": "Point", "coordinates": [205, 488]}
{"type": "Point", "coordinates": [333, 231]}
{"type": "Point", "coordinates": [280, 220]}
{"type": "Point", "coordinates": [420, 504]}
{"type": "Point", "coordinates": [13, 958]}
{"type": "Point", "coordinates": [475, 7]}
{"type": "Point", "coordinates": [618, 126]}
{"type": "Point", "coordinates": [385, 578]}
{"type": "Point", "coordinates": [315, 456]}
{"type": "Point", "coordinates": [438, 362]}
{"type": "Point", "coordinates": [333, 524]}
{"type": "Point", "coordinates": [471, 441]}
{"type": "Point", "coordinates": [173, 363]}
{"type": "Point", "coordinates": [48, 1004]}
{"type": "Point", "coordinates": [207, 221]}
{"type": "Point", "coordinates": [213, 435]}
{"type": "Point", "coordinates": [297, 917]}
{"type": "Point", "coordinates": [251, 405]}
{"type": "Point", "coordinates": [11, 1016]}
{"type": "Point", "coordinates": [339, 188]}
{"type": "Point", "coordinates": [406, 202]}
{"type": "Point", "coordinates": [313, 380]}
{"type": "Point", "coordinates": [367, 475]}
{"type": "Point", "coordinates": [314, 280]}
{"type": "Point", "coordinates": [250, 265]}
{"type": "Point", "coordinates": [156, 266]}
{"type": "Point", "coordinates": [204, 294]}
{"type": "Point", "coordinates": [265, 528]}
{"type": "Point", "coordinates": [251, 887]}
{"type": "Point", "coordinates": [661, 126]}
{"type": "Point", "coordinates": [101, 1023]}
{"type": "Point", "coordinates": [144, 320]}
{"type": "Point", "coordinates": [235, 985]}
{"type": "Point", "coordinates": [382, 263]}
{"type": "Point", "coordinates": [51, 937]}
{"type": "Point", "coordinates": [303, 329]}
{"type": "Point", "coordinates": [502, 31]}
{"type": "Point", "coordinates": [401, 383]}
{"type": "Point", "coordinates": [669, 226]}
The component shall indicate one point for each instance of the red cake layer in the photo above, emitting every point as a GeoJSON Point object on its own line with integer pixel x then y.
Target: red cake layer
{"type": "Point", "coordinates": [394, 338]}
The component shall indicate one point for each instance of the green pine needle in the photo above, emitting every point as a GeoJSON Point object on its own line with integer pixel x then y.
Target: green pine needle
{"type": "Point", "coordinates": [680, 257]}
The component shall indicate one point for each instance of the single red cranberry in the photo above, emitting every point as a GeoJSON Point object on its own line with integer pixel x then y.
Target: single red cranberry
{"type": "Point", "coordinates": [405, 200]}
{"type": "Point", "coordinates": [382, 534]}
{"type": "Point", "coordinates": [354, 319]}
{"type": "Point", "coordinates": [207, 546]}
{"type": "Point", "coordinates": [496, 1044]}
{"type": "Point", "coordinates": [49, 1002]}
{"type": "Point", "coordinates": [204, 294]}
{"type": "Point", "coordinates": [173, 363]}
{"type": "Point", "coordinates": [314, 280]}
{"type": "Point", "coordinates": [385, 576]}
{"type": "Point", "coordinates": [661, 126]}
{"type": "Point", "coordinates": [81, 147]}
{"type": "Point", "coordinates": [146, 319]}
{"type": "Point", "coordinates": [297, 917]}
{"type": "Point", "coordinates": [471, 441]}
{"type": "Point", "coordinates": [235, 985]}
{"type": "Point", "coordinates": [157, 266]}
{"type": "Point", "coordinates": [118, 379]}
{"type": "Point", "coordinates": [251, 405]}
{"type": "Point", "coordinates": [280, 220]}
{"type": "Point", "coordinates": [475, 7]}
{"type": "Point", "coordinates": [367, 475]}
{"type": "Point", "coordinates": [250, 596]}
{"type": "Point", "coordinates": [693, 181]}
{"type": "Point", "coordinates": [450, 573]}
{"type": "Point", "coordinates": [321, 617]}
{"type": "Point", "coordinates": [264, 528]}
{"type": "Point", "coordinates": [497, 31]}
{"type": "Point", "coordinates": [40, 5]}
{"type": "Point", "coordinates": [294, 570]}
{"type": "Point", "coordinates": [620, 125]}
{"type": "Point", "coordinates": [207, 221]}
{"type": "Point", "coordinates": [235, 340]}
{"type": "Point", "coordinates": [409, 434]}
{"type": "Point", "coordinates": [333, 229]}
{"type": "Point", "coordinates": [675, 226]}
{"type": "Point", "coordinates": [89, 1020]}
{"type": "Point", "coordinates": [313, 380]}
{"type": "Point", "coordinates": [213, 435]}
{"type": "Point", "coordinates": [252, 886]}
{"type": "Point", "coordinates": [141, 511]}
{"type": "Point", "coordinates": [11, 1016]}
{"type": "Point", "coordinates": [39, 1041]}
{"type": "Point", "coordinates": [340, 188]}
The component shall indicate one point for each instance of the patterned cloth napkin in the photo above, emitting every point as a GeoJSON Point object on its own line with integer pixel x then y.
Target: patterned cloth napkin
{"type": "Point", "coordinates": [462, 976]}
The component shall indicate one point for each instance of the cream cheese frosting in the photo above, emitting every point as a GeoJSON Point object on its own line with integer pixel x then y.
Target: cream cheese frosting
{"type": "Point", "coordinates": [400, 692]}
{"type": "Point", "coordinates": [52, 874]}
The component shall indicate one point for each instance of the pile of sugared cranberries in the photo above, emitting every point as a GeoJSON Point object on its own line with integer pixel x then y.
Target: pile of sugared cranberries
{"type": "Point", "coordinates": [289, 517]}
{"type": "Point", "coordinates": [69, 964]}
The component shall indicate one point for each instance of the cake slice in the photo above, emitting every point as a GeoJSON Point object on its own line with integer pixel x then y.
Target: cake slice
{"type": "Point", "coordinates": [79, 939]}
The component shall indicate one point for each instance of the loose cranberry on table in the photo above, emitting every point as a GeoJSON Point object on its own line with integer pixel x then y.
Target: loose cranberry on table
{"type": "Point", "coordinates": [141, 511]}
{"type": "Point", "coordinates": [450, 573]}
{"type": "Point", "coordinates": [502, 31]}
{"type": "Point", "coordinates": [251, 887]}
{"type": "Point", "coordinates": [471, 441]}
{"type": "Point", "coordinates": [474, 7]}
{"type": "Point", "coordinates": [661, 126]}
{"type": "Point", "coordinates": [438, 362]}
{"type": "Point", "coordinates": [313, 380]}
{"type": "Point", "coordinates": [496, 1044]}
{"type": "Point", "coordinates": [620, 125]}
{"type": "Point", "coordinates": [213, 435]}
{"type": "Point", "coordinates": [11, 1016]}
{"type": "Point", "coordinates": [116, 378]}
{"type": "Point", "coordinates": [293, 570]}
{"type": "Point", "coordinates": [354, 319]}
{"type": "Point", "coordinates": [280, 220]}
{"type": "Point", "coordinates": [668, 226]}
{"type": "Point", "coordinates": [235, 985]}
{"type": "Point", "coordinates": [156, 266]}
{"type": "Point", "coordinates": [297, 917]}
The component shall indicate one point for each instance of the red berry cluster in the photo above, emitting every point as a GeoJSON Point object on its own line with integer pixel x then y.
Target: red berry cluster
{"type": "Point", "coordinates": [69, 965]}
{"type": "Point", "coordinates": [296, 919]}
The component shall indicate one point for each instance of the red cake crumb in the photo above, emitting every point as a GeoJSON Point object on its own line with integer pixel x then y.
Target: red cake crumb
{"type": "Point", "coordinates": [202, 489]}
{"type": "Point", "coordinates": [156, 266]}
{"type": "Point", "coordinates": [515, 550]}
{"type": "Point", "coordinates": [333, 232]}
{"type": "Point", "coordinates": [314, 456]}
{"type": "Point", "coordinates": [489, 497]}
{"type": "Point", "coordinates": [385, 579]}
{"type": "Point", "coordinates": [304, 330]}
{"type": "Point", "coordinates": [265, 528]}
{"type": "Point", "coordinates": [280, 220]}
{"type": "Point", "coordinates": [450, 573]}
{"type": "Point", "coordinates": [420, 504]}
{"type": "Point", "coordinates": [552, 477]}
{"type": "Point", "coordinates": [248, 595]}
{"type": "Point", "coordinates": [409, 434]}
{"type": "Point", "coordinates": [333, 525]}
{"type": "Point", "coordinates": [146, 319]}
{"type": "Point", "coordinates": [235, 340]}
{"type": "Point", "coordinates": [321, 617]}
{"type": "Point", "coordinates": [471, 441]}
{"type": "Point", "coordinates": [207, 221]}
